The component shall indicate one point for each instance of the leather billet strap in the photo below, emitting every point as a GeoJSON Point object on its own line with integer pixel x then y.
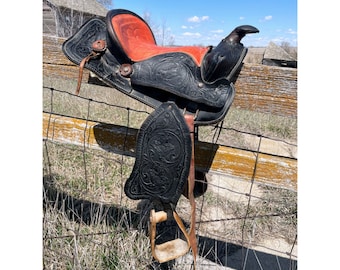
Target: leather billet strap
{"type": "Point", "coordinates": [176, 248]}
{"type": "Point", "coordinates": [98, 47]}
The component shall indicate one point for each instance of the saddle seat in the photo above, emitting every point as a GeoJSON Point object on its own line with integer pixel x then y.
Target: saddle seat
{"type": "Point", "coordinates": [136, 40]}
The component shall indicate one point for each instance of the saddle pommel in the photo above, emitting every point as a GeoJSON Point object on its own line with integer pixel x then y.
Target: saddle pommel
{"type": "Point", "coordinates": [225, 59]}
{"type": "Point", "coordinates": [239, 32]}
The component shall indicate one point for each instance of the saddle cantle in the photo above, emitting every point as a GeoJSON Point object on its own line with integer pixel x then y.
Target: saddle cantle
{"type": "Point", "coordinates": [123, 53]}
{"type": "Point", "coordinates": [188, 86]}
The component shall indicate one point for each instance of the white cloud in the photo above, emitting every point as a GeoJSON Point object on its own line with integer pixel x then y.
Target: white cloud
{"type": "Point", "coordinates": [291, 31]}
{"type": "Point", "coordinates": [187, 27]}
{"type": "Point", "coordinates": [242, 18]}
{"type": "Point", "coordinates": [196, 19]}
{"type": "Point", "coordinates": [266, 18]}
{"type": "Point", "coordinates": [190, 34]}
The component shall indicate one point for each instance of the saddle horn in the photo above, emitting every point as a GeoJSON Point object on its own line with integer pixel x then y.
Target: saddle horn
{"type": "Point", "coordinates": [239, 32]}
{"type": "Point", "coordinates": [224, 59]}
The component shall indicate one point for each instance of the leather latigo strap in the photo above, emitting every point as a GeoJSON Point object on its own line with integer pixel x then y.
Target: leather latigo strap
{"type": "Point", "coordinates": [98, 47]}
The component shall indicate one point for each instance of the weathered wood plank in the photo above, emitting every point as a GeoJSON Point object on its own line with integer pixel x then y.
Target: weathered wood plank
{"type": "Point", "coordinates": [240, 163]}
{"type": "Point", "coordinates": [279, 171]}
{"type": "Point", "coordinates": [64, 72]}
{"type": "Point", "coordinates": [259, 88]}
{"type": "Point", "coordinates": [267, 89]}
{"type": "Point", "coordinates": [52, 52]}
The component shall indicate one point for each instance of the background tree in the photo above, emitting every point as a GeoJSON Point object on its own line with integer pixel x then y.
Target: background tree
{"type": "Point", "coordinates": [161, 32]}
{"type": "Point", "coordinates": [289, 49]}
{"type": "Point", "coordinates": [106, 3]}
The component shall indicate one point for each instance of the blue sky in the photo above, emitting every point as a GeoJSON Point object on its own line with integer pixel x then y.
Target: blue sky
{"type": "Point", "coordinates": [198, 22]}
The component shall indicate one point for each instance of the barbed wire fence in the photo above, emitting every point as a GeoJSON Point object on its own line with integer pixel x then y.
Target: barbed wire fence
{"type": "Point", "coordinates": [89, 223]}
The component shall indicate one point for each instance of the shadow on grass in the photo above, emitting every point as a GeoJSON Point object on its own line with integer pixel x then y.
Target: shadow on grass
{"type": "Point", "coordinates": [219, 252]}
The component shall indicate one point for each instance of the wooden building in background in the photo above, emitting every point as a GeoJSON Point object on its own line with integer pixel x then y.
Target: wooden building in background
{"type": "Point", "coordinates": [62, 18]}
{"type": "Point", "coordinates": [275, 55]}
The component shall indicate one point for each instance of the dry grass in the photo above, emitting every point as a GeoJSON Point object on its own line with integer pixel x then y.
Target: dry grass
{"type": "Point", "coordinates": [70, 244]}
{"type": "Point", "coordinates": [81, 228]}
{"type": "Point", "coordinates": [241, 128]}
{"type": "Point", "coordinates": [89, 223]}
{"type": "Point", "coordinates": [271, 212]}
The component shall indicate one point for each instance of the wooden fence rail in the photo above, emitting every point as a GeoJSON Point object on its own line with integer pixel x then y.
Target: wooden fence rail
{"type": "Point", "coordinates": [259, 88]}
{"type": "Point", "coordinates": [270, 169]}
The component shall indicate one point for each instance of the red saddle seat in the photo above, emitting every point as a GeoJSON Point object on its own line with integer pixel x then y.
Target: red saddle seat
{"type": "Point", "coordinates": [138, 42]}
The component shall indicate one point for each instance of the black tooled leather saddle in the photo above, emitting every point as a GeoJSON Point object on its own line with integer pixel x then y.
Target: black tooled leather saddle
{"type": "Point", "coordinates": [187, 86]}
{"type": "Point", "coordinates": [125, 56]}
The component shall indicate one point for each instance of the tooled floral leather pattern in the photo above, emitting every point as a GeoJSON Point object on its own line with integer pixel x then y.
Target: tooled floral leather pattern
{"type": "Point", "coordinates": [163, 157]}
{"type": "Point", "coordinates": [178, 74]}
{"type": "Point", "coordinates": [155, 80]}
